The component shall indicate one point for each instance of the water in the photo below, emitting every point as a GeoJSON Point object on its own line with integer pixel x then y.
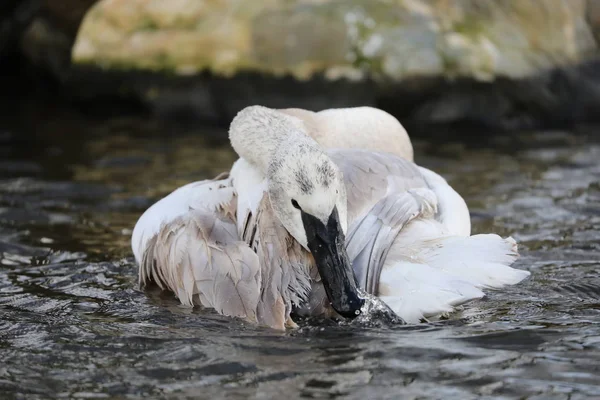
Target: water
{"type": "Point", "coordinates": [73, 324]}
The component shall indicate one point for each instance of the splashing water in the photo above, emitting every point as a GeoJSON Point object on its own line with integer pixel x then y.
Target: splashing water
{"type": "Point", "coordinates": [375, 312]}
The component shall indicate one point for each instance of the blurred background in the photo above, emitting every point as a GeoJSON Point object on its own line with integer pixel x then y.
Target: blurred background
{"type": "Point", "coordinates": [505, 64]}
{"type": "Point", "coordinates": [106, 106]}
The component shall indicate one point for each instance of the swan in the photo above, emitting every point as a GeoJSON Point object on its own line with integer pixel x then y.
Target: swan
{"type": "Point", "coordinates": [319, 208]}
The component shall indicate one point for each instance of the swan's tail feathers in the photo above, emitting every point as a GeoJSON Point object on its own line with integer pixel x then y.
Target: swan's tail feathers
{"type": "Point", "coordinates": [482, 260]}
{"type": "Point", "coordinates": [434, 276]}
{"type": "Point", "coordinates": [416, 291]}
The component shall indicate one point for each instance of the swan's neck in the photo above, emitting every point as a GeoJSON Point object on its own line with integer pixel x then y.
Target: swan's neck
{"type": "Point", "coordinates": [262, 136]}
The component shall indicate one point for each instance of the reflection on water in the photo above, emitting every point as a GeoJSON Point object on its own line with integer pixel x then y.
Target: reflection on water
{"type": "Point", "coordinates": [73, 324]}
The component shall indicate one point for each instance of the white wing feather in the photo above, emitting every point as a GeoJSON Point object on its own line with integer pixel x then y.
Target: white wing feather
{"type": "Point", "coordinates": [428, 271]}
{"type": "Point", "coordinates": [452, 212]}
{"type": "Point", "coordinates": [416, 291]}
{"type": "Point", "coordinates": [207, 195]}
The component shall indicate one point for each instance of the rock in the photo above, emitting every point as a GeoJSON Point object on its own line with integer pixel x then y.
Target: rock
{"type": "Point", "coordinates": [353, 39]}
{"type": "Point", "coordinates": [507, 64]}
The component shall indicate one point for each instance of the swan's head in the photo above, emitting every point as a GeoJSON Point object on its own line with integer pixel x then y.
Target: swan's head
{"type": "Point", "coordinates": [307, 183]}
{"type": "Point", "coordinates": [308, 195]}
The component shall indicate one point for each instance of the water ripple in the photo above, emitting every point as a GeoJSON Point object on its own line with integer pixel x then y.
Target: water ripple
{"type": "Point", "coordinates": [74, 325]}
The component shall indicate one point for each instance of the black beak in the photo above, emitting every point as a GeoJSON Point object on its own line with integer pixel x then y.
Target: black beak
{"type": "Point", "coordinates": [328, 247]}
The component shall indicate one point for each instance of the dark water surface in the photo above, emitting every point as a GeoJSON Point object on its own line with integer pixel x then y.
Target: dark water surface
{"type": "Point", "coordinates": [73, 324]}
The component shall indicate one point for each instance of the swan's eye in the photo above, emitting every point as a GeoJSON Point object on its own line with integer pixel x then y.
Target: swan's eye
{"type": "Point", "coordinates": [295, 204]}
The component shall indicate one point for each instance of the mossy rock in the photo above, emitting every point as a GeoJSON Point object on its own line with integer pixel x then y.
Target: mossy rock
{"type": "Point", "coordinates": [353, 39]}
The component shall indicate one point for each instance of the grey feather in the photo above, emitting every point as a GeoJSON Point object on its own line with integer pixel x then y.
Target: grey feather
{"type": "Point", "coordinates": [385, 192]}
{"type": "Point", "coordinates": [370, 176]}
{"type": "Point", "coordinates": [370, 239]}
{"type": "Point", "coordinates": [285, 268]}
{"type": "Point", "coordinates": [200, 259]}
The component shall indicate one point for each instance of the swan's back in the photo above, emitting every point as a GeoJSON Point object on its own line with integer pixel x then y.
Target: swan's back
{"type": "Point", "coordinates": [365, 128]}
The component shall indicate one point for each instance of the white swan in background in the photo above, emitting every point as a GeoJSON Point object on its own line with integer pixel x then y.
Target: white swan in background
{"type": "Point", "coordinates": [314, 199]}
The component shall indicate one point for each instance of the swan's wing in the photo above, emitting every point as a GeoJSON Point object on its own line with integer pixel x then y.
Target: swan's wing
{"type": "Point", "coordinates": [250, 186]}
{"type": "Point", "coordinates": [201, 195]}
{"type": "Point", "coordinates": [188, 243]}
{"type": "Point", "coordinates": [198, 257]}
{"type": "Point", "coordinates": [385, 192]}
{"type": "Point", "coordinates": [371, 176]}
{"type": "Point", "coordinates": [429, 272]}
{"type": "Point", "coordinates": [412, 246]}
{"type": "Point", "coordinates": [452, 212]}
{"type": "Point", "coordinates": [370, 238]}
